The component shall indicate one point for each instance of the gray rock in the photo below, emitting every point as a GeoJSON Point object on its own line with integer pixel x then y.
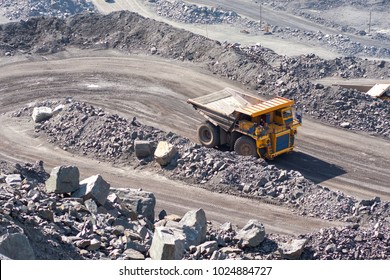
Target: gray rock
{"type": "Point", "coordinates": [94, 187]}
{"type": "Point", "coordinates": [293, 249]}
{"type": "Point", "coordinates": [345, 125]}
{"type": "Point", "coordinates": [63, 179]}
{"type": "Point", "coordinates": [217, 256]}
{"type": "Point", "coordinates": [84, 243]}
{"type": "Point", "coordinates": [208, 247]}
{"type": "Point", "coordinates": [227, 227]}
{"type": "Point", "coordinates": [13, 180]}
{"type": "Point", "coordinates": [58, 109]}
{"type": "Point", "coordinates": [2, 178]}
{"type": "Point", "coordinates": [140, 201]}
{"type": "Point", "coordinates": [330, 248]}
{"type": "Point", "coordinates": [136, 246]}
{"type": "Point", "coordinates": [91, 205]}
{"type": "Point", "coordinates": [142, 148]}
{"type": "Point", "coordinates": [3, 257]}
{"type": "Point", "coordinates": [162, 214]}
{"type": "Point", "coordinates": [166, 245]}
{"type": "Point", "coordinates": [153, 50]}
{"type": "Point", "coordinates": [119, 230]}
{"type": "Point", "coordinates": [251, 235]}
{"type": "Point", "coordinates": [46, 214]}
{"type": "Point", "coordinates": [164, 153]}
{"type": "Point", "coordinates": [94, 245]}
{"type": "Point", "coordinates": [262, 182]}
{"type": "Point", "coordinates": [283, 175]}
{"type": "Point", "coordinates": [40, 114]}
{"type": "Point", "coordinates": [369, 202]}
{"type": "Point", "coordinates": [194, 224]}
{"type": "Point", "coordinates": [247, 188]}
{"type": "Point", "coordinates": [230, 250]}
{"type": "Point", "coordinates": [113, 198]}
{"type": "Point", "coordinates": [16, 246]}
{"type": "Point", "coordinates": [131, 254]}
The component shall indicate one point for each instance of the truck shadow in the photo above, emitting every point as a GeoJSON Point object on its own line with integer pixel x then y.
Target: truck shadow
{"type": "Point", "coordinates": [311, 167]}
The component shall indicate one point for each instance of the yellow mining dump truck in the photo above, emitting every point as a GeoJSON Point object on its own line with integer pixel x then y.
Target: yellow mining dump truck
{"type": "Point", "coordinates": [249, 125]}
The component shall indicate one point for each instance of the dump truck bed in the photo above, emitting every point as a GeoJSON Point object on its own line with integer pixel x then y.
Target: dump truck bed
{"type": "Point", "coordinates": [225, 101]}
{"type": "Point", "coordinates": [222, 107]}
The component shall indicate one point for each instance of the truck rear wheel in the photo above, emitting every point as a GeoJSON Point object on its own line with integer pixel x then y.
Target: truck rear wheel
{"type": "Point", "coordinates": [245, 146]}
{"type": "Point", "coordinates": [208, 135]}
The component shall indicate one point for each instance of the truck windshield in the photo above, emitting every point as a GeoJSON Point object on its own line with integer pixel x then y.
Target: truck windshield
{"type": "Point", "coordinates": [287, 114]}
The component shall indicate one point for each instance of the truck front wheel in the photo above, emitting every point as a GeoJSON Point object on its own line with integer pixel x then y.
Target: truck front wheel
{"type": "Point", "coordinates": [245, 146]}
{"type": "Point", "coordinates": [208, 135]}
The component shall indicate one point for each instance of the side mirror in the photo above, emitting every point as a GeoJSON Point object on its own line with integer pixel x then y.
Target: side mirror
{"type": "Point", "coordinates": [298, 116]}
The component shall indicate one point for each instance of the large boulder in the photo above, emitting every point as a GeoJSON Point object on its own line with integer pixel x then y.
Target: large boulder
{"type": "Point", "coordinates": [139, 201]}
{"type": "Point", "coordinates": [63, 179]}
{"type": "Point", "coordinates": [173, 238]}
{"type": "Point", "coordinates": [40, 114]}
{"type": "Point", "coordinates": [251, 235]}
{"type": "Point", "coordinates": [143, 149]}
{"type": "Point", "coordinates": [164, 153]}
{"type": "Point", "coordinates": [292, 249]}
{"type": "Point", "coordinates": [194, 225]}
{"type": "Point", "coordinates": [94, 187]}
{"type": "Point", "coordinates": [167, 244]}
{"type": "Point", "coordinates": [16, 246]}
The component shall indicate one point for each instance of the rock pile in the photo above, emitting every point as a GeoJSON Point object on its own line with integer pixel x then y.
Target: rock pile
{"type": "Point", "coordinates": [78, 224]}
{"type": "Point", "coordinates": [49, 225]}
{"type": "Point", "coordinates": [23, 9]}
{"type": "Point", "coordinates": [350, 243]}
{"type": "Point", "coordinates": [87, 130]}
{"type": "Point", "coordinates": [191, 13]}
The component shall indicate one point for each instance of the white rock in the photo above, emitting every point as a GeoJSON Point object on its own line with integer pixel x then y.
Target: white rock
{"type": "Point", "coordinates": [94, 187]}
{"type": "Point", "coordinates": [251, 235]}
{"type": "Point", "coordinates": [345, 125]}
{"type": "Point", "coordinates": [13, 180]}
{"type": "Point", "coordinates": [41, 114]}
{"type": "Point", "coordinates": [293, 249]}
{"type": "Point", "coordinates": [164, 153]}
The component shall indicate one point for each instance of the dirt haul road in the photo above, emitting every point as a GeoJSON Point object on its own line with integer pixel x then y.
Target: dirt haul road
{"type": "Point", "coordinates": [156, 90]}
{"type": "Point", "coordinates": [220, 32]}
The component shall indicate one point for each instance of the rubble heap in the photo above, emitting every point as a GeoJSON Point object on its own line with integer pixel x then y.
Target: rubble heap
{"type": "Point", "coordinates": [24, 9]}
{"type": "Point", "coordinates": [90, 131]}
{"type": "Point", "coordinates": [38, 222]}
{"type": "Point", "coordinates": [191, 13]}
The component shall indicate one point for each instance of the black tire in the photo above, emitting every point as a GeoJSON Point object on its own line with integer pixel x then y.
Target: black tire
{"type": "Point", "coordinates": [245, 146]}
{"type": "Point", "coordinates": [208, 135]}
